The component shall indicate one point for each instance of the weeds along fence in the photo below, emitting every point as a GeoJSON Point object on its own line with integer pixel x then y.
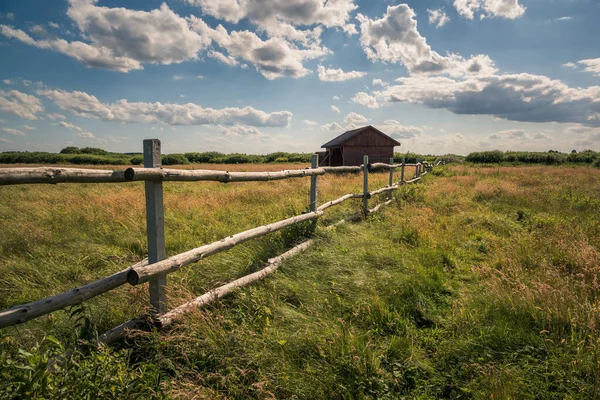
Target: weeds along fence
{"type": "Point", "coordinates": [157, 266]}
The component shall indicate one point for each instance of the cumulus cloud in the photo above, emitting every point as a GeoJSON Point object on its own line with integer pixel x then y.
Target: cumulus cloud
{"type": "Point", "coordinates": [332, 13]}
{"type": "Point", "coordinates": [332, 127]}
{"type": "Point", "coordinates": [21, 104]}
{"type": "Point", "coordinates": [396, 130]}
{"type": "Point", "coordinates": [379, 82]}
{"type": "Point", "coordinates": [309, 122]}
{"type": "Point", "coordinates": [274, 57]}
{"type": "Point", "coordinates": [335, 109]}
{"type": "Point", "coordinates": [121, 39]}
{"type": "Point", "coordinates": [509, 9]}
{"type": "Point", "coordinates": [86, 105]}
{"type": "Point", "coordinates": [438, 17]}
{"type": "Point", "coordinates": [516, 97]}
{"type": "Point", "coordinates": [13, 131]}
{"type": "Point", "coordinates": [354, 118]}
{"type": "Point", "coordinates": [29, 128]}
{"type": "Point", "coordinates": [394, 38]}
{"type": "Point", "coordinates": [365, 99]}
{"type": "Point", "coordinates": [338, 75]}
{"type": "Point", "coordinates": [591, 65]}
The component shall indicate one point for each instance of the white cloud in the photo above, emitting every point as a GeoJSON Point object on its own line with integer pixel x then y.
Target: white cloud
{"type": "Point", "coordinates": [309, 122]}
{"type": "Point", "coordinates": [7, 82]}
{"type": "Point", "coordinates": [379, 82]}
{"type": "Point", "coordinates": [228, 60]}
{"type": "Point", "coordinates": [591, 65]}
{"type": "Point", "coordinates": [13, 131]}
{"type": "Point", "coordinates": [86, 105]}
{"type": "Point", "coordinates": [332, 13]}
{"type": "Point", "coordinates": [354, 118]}
{"type": "Point", "coordinates": [122, 39]}
{"type": "Point", "coordinates": [337, 97]}
{"type": "Point", "coordinates": [4, 140]}
{"type": "Point", "coordinates": [239, 130]}
{"type": "Point", "coordinates": [510, 9]}
{"type": "Point", "coordinates": [274, 57]}
{"type": "Point", "coordinates": [85, 135]}
{"type": "Point", "coordinates": [55, 116]}
{"type": "Point", "coordinates": [332, 127]}
{"type": "Point", "coordinates": [508, 134]}
{"type": "Point", "coordinates": [438, 17]}
{"type": "Point", "coordinates": [177, 77]}
{"type": "Point", "coordinates": [69, 125]}
{"type": "Point", "coordinates": [567, 18]}
{"type": "Point", "coordinates": [53, 25]}
{"type": "Point", "coordinates": [570, 65]}
{"type": "Point", "coordinates": [338, 75]}
{"type": "Point", "coordinates": [516, 97]}
{"type": "Point", "coordinates": [29, 128]}
{"type": "Point", "coordinates": [20, 104]}
{"type": "Point", "coordinates": [394, 38]}
{"type": "Point", "coordinates": [335, 109]}
{"type": "Point", "coordinates": [396, 130]}
{"type": "Point", "coordinates": [365, 99]}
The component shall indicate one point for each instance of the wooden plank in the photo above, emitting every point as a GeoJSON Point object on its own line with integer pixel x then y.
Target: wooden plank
{"type": "Point", "coordinates": [53, 175]}
{"type": "Point", "coordinates": [366, 185]}
{"type": "Point", "coordinates": [335, 202]}
{"type": "Point", "coordinates": [342, 169]}
{"type": "Point", "coordinates": [185, 175]}
{"type": "Point", "coordinates": [402, 169]}
{"type": "Point", "coordinates": [391, 183]}
{"type": "Point", "coordinates": [155, 227]}
{"type": "Point", "coordinates": [140, 275]}
{"type": "Point", "coordinates": [313, 183]}
{"type": "Point", "coordinates": [25, 312]}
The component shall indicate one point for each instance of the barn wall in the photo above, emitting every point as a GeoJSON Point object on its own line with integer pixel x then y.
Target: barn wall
{"type": "Point", "coordinates": [370, 138]}
{"type": "Point", "coordinates": [353, 155]}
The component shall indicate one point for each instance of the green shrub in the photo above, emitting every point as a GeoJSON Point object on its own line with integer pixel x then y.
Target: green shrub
{"type": "Point", "coordinates": [174, 159]}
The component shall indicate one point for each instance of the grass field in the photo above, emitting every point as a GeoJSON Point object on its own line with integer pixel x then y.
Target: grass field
{"type": "Point", "coordinates": [481, 282]}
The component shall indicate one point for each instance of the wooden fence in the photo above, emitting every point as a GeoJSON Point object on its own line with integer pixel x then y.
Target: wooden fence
{"type": "Point", "coordinates": [157, 266]}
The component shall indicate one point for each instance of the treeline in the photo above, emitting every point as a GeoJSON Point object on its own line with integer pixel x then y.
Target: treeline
{"type": "Point", "coordinates": [551, 157]}
{"type": "Point", "coordinates": [412, 158]}
{"type": "Point", "coordinates": [96, 156]}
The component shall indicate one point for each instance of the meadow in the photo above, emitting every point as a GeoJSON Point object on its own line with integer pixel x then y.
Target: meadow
{"type": "Point", "coordinates": [480, 282]}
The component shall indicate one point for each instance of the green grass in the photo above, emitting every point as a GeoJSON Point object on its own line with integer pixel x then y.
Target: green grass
{"type": "Point", "coordinates": [478, 283]}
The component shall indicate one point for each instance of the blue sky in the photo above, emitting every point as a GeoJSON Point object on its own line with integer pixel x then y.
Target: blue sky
{"type": "Point", "coordinates": [258, 76]}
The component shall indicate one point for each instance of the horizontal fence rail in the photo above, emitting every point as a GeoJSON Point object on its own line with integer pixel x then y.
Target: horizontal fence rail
{"type": "Point", "coordinates": [156, 271]}
{"type": "Point", "coordinates": [141, 274]}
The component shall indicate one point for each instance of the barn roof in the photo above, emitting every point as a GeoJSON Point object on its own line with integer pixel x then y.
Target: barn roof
{"type": "Point", "coordinates": [344, 137]}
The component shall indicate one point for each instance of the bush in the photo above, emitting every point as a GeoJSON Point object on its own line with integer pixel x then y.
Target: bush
{"type": "Point", "coordinates": [174, 159]}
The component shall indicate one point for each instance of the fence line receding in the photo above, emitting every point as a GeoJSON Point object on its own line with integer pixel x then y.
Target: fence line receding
{"type": "Point", "coordinates": [155, 268]}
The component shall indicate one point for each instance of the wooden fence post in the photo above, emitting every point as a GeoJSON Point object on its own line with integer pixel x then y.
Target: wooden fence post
{"type": "Point", "coordinates": [155, 226]}
{"type": "Point", "coordinates": [402, 169]}
{"type": "Point", "coordinates": [390, 194]}
{"type": "Point", "coordinates": [366, 185]}
{"type": "Point", "coordinates": [313, 183]}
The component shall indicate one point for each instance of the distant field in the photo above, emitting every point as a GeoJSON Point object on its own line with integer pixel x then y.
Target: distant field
{"type": "Point", "coordinates": [482, 282]}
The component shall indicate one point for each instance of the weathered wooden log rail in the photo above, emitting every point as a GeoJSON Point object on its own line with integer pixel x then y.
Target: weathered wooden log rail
{"type": "Point", "coordinates": [155, 268]}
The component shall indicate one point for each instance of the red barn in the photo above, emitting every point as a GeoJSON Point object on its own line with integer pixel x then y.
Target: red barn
{"type": "Point", "coordinates": [350, 147]}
